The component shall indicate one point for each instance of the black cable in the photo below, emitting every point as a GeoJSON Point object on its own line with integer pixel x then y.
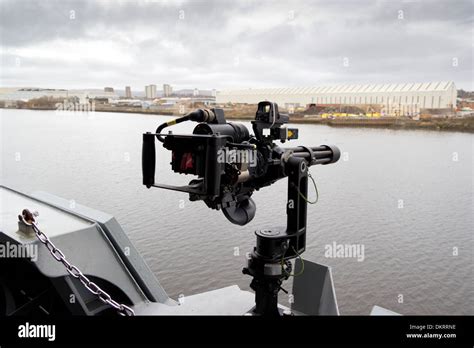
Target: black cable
{"type": "Point", "coordinates": [169, 123]}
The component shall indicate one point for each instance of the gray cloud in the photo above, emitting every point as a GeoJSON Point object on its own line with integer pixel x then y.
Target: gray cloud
{"type": "Point", "coordinates": [224, 44]}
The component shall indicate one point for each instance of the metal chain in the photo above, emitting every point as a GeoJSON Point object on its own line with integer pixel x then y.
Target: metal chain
{"type": "Point", "coordinates": [76, 272]}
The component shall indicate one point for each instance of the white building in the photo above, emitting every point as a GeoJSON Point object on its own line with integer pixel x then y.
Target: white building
{"type": "Point", "coordinates": [402, 98]}
{"type": "Point", "coordinates": [150, 91]}
{"type": "Point", "coordinates": [167, 90]}
{"type": "Point", "coordinates": [128, 92]}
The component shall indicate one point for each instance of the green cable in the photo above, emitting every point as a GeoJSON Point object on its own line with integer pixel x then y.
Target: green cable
{"type": "Point", "coordinates": [302, 264]}
{"type": "Point", "coordinates": [315, 187]}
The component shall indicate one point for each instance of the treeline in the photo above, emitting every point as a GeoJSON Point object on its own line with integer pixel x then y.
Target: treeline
{"type": "Point", "coordinates": [465, 94]}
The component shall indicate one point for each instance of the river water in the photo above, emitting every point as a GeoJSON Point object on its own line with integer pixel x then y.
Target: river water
{"type": "Point", "coordinates": [405, 196]}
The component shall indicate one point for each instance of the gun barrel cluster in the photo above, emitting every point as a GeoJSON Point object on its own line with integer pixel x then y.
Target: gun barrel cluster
{"type": "Point", "coordinates": [323, 154]}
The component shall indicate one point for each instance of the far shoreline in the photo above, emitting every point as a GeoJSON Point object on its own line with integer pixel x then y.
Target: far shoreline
{"type": "Point", "coordinates": [464, 125]}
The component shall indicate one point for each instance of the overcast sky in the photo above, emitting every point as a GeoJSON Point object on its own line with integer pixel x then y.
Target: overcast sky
{"type": "Point", "coordinates": [234, 43]}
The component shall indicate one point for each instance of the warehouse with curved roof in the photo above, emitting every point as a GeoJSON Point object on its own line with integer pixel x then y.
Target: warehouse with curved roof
{"type": "Point", "coordinates": [400, 98]}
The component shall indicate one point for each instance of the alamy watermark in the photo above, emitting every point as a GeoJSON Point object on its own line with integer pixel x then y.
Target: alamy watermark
{"type": "Point", "coordinates": [70, 106]}
{"type": "Point", "coordinates": [28, 330]}
{"type": "Point", "coordinates": [244, 156]}
{"type": "Point", "coordinates": [335, 250]}
{"type": "Point", "coordinates": [12, 250]}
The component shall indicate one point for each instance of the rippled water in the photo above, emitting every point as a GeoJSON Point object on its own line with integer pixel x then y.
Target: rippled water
{"type": "Point", "coordinates": [95, 160]}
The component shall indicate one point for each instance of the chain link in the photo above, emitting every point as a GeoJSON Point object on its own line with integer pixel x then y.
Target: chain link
{"type": "Point", "coordinates": [75, 272]}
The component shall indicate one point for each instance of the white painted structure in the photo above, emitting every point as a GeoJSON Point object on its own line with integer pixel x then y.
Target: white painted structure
{"type": "Point", "coordinates": [402, 98]}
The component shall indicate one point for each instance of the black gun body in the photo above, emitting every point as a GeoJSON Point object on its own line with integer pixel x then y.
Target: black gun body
{"type": "Point", "coordinates": [229, 184]}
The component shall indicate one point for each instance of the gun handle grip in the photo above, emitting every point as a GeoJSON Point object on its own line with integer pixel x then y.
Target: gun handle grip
{"type": "Point", "coordinates": [148, 159]}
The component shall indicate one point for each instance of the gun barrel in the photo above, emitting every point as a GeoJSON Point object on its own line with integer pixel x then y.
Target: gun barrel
{"type": "Point", "coordinates": [324, 154]}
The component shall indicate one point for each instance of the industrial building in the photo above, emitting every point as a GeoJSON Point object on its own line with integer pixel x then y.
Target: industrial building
{"type": "Point", "coordinates": [401, 98]}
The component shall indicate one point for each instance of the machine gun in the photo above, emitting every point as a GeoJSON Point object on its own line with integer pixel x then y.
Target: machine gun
{"type": "Point", "coordinates": [230, 165]}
